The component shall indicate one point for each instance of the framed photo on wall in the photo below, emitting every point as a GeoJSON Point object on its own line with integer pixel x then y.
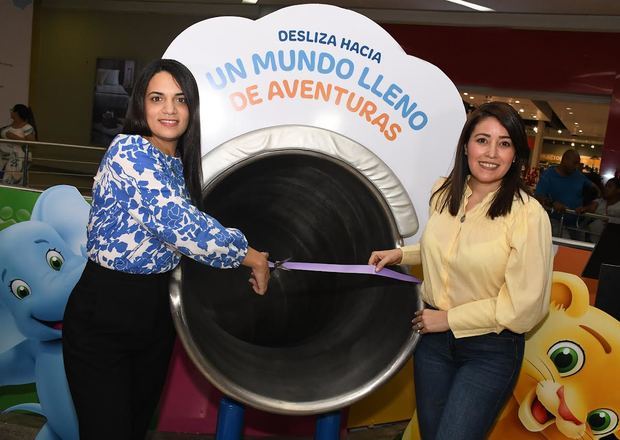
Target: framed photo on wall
{"type": "Point", "coordinates": [114, 80]}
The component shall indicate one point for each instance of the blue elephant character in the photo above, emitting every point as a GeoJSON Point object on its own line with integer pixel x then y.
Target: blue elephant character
{"type": "Point", "coordinates": [41, 260]}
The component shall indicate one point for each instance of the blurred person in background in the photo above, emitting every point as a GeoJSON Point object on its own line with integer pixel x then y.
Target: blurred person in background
{"type": "Point", "coordinates": [12, 156]}
{"type": "Point", "coordinates": [608, 205]}
{"type": "Point", "coordinates": [563, 187]}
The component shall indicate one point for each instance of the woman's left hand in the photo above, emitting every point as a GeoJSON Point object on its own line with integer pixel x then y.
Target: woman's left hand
{"type": "Point", "coordinates": [430, 321]}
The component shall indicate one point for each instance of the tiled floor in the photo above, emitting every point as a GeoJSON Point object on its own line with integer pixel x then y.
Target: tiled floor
{"type": "Point", "coordinates": [26, 426]}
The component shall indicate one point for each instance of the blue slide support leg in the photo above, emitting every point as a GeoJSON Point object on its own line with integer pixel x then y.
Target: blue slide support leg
{"type": "Point", "coordinates": [229, 420]}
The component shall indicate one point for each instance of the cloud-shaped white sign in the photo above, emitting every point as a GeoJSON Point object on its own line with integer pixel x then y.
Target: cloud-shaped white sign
{"type": "Point", "coordinates": [331, 68]}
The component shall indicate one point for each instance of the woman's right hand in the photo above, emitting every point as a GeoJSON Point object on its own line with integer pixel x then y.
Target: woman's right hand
{"type": "Point", "coordinates": [257, 261]}
{"type": "Point", "coordinates": [380, 259]}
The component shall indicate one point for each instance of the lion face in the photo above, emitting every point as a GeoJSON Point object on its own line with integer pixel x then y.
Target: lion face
{"type": "Point", "coordinates": [569, 381]}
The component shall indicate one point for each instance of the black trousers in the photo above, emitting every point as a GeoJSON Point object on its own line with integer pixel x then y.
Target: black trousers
{"type": "Point", "coordinates": [117, 340]}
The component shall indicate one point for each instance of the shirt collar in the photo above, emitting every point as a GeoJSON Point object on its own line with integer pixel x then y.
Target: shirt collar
{"type": "Point", "coordinates": [468, 192]}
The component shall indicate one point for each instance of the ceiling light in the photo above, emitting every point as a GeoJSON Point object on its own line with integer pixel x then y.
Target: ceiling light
{"type": "Point", "coordinates": [572, 144]}
{"type": "Point", "coordinates": [252, 2]}
{"type": "Point", "coordinates": [521, 110]}
{"type": "Point", "coordinates": [535, 129]}
{"type": "Point", "coordinates": [576, 123]}
{"type": "Point", "coordinates": [570, 113]}
{"type": "Point", "coordinates": [559, 131]}
{"type": "Point", "coordinates": [517, 101]}
{"type": "Point", "coordinates": [580, 130]}
{"type": "Point", "coordinates": [471, 97]}
{"type": "Point", "coordinates": [465, 93]}
{"type": "Point", "coordinates": [471, 5]}
{"type": "Point", "coordinates": [591, 146]}
{"type": "Point", "coordinates": [568, 108]}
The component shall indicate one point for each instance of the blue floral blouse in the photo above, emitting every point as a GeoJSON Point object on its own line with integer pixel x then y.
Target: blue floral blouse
{"type": "Point", "coordinates": [142, 219]}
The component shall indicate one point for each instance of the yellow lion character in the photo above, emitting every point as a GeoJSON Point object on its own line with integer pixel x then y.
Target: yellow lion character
{"type": "Point", "coordinates": [569, 385]}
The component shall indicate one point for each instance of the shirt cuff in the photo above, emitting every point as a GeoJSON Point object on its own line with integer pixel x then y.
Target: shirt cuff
{"type": "Point", "coordinates": [474, 318]}
{"type": "Point", "coordinates": [411, 254]}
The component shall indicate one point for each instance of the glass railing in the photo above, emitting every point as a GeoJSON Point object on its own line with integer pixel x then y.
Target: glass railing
{"type": "Point", "coordinates": [39, 165]}
{"type": "Point", "coordinates": [572, 227]}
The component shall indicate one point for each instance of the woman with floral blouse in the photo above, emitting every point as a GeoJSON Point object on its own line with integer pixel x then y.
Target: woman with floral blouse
{"type": "Point", "coordinates": [118, 331]}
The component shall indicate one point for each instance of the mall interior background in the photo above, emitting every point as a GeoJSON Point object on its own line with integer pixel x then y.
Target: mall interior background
{"type": "Point", "coordinates": [554, 58]}
{"type": "Point", "coordinates": [547, 70]}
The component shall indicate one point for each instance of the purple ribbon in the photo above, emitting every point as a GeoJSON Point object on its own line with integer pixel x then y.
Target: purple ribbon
{"type": "Point", "coordinates": [343, 268]}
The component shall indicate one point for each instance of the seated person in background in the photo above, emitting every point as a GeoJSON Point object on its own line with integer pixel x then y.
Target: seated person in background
{"type": "Point", "coordinates": [23, 127]}
{"type": "Point", "coordinates": [562, 187]}
{"type": "Point", "coordinates": [591, 193]}
{"type": "Point", "coordinates": [608, 205]}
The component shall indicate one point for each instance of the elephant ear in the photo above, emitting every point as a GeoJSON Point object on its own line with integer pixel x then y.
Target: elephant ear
{"type": "Point", "coordinates": [10, 334]}
{"type": "Point", "coordinates": [65, 209]}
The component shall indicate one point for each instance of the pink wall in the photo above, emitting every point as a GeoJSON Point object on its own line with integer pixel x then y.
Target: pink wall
{"type": "Point", "coordinates": [548, 61]}
{"type": "Point", "coordinates": [610, 161]}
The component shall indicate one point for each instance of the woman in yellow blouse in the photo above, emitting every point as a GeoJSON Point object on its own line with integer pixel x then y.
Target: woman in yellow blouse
{"type": "Point", "coordinates": [487, 260]}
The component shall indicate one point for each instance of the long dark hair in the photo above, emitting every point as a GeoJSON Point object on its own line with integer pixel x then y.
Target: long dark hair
{"type": "Point", "coordinates": [451, 192]}
{"type": "Point", "coordinates": [188, 146]}
{"type": "Point", "coordinates": [25, 113]}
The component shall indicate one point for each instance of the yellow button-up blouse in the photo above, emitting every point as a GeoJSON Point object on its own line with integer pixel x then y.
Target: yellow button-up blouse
{"type": "Point", "coordinates": [489, 275]}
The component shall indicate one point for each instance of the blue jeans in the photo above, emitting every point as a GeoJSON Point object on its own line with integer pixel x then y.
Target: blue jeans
{"type": "Point", "coordinates": [462, 384]}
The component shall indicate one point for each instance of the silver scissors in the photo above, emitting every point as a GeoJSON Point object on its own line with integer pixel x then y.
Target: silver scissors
{"type": "Point", "coordinates": [280, 264]}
